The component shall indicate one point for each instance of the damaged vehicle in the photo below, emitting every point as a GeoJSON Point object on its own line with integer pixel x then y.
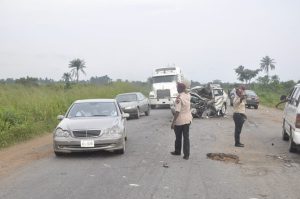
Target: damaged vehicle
{"type": "Point", "coordinates": [211, 100]}
{"type": "Point", "coordinates": [208, 101]}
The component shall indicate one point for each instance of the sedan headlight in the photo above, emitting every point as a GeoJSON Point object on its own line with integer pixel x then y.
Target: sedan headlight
{"type": "Point", "coordinates": [115, 130]}
{"type": "Point", "coordinates": [61, 133]}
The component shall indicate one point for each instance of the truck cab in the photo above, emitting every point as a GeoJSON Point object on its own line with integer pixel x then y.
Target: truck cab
{"type": "Point", "coordinates": [164, 86]}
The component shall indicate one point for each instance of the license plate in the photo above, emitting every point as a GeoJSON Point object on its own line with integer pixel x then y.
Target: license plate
{"type": "Point", "coordinates": [87, 143]}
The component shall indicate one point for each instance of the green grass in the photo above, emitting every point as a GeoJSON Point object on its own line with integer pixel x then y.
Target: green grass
{"type": "Point", "coordinates": [26, 112]}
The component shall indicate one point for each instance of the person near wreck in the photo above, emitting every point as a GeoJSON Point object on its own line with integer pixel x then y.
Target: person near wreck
{"type": "Point", "coordinates": [181, 121]}
{"type": "Point", "coordinates": [239, 114]}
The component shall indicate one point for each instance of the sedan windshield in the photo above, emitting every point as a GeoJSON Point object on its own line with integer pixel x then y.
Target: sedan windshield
{"type": "Point", "coordinates": [93, 109]}
{"type": "Point", "coordinates": [127, 98]}
{"type": "Point", "coordinates": [160, 79]}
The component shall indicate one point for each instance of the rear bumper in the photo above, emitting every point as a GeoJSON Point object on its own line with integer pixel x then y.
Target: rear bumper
{"type": "Point", "coordinates": [252, 103]}
{"type": "Point", "coordinates": [165, 101]}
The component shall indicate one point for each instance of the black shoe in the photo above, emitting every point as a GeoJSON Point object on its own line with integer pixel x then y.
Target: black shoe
{"type": "Point", "coordinates": [186, 157]}
{"type": "Point", "coordinates": [175, 153]}
{"type": "Point", "coordinates": [239, 145]}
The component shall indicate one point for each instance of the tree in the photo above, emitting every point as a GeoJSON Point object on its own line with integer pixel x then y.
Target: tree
{"type": "Point", "coordinates": [67, 77]}
{"type": "Point", "coordinates": [267, 64]}
{"type": "Point", "coordinates": [77, 65]}
{"type": "Point", "coordinates": [246, 74]}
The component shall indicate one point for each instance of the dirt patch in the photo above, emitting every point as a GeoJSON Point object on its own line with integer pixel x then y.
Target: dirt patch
{"type": "Point", "coordinates": [22, 154]}
{"type": "Point", "coordinates": [223, 157]}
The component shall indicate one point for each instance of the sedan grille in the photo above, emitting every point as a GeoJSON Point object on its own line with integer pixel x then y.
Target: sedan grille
{"type": "Point", "coordinates": [86, 133]}
{"type": "Point", "coordinates": [163, 93]}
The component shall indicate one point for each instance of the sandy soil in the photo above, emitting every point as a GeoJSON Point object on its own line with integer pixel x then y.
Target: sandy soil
{"type": "Point", "coordinates": [21, 154]}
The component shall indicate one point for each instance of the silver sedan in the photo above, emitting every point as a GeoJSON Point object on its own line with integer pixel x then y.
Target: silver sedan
{"type": "Point", "coordinates": [91, 125]}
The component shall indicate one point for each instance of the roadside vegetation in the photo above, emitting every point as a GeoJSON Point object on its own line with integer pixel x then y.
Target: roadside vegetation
{"type": "Point", "coordinates": [29, 110]}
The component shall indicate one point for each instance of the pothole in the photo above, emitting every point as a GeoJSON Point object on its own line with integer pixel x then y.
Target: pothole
{"type": "Point", "coordinates": [225, 157]}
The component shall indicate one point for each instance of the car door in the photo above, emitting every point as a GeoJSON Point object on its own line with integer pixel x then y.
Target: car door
{"type": "Point", "coordinates": [291, 108]}
{"type": "Point", "coordinates": [218, 97]}
{"type": "Point", "coordinates": [142, 102]}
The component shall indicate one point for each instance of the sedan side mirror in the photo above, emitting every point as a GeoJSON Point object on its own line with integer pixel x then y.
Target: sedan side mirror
{"type": "Point", "coordinates": [125, 115]}
{"type": "Point", "coordinates": [60, 117]}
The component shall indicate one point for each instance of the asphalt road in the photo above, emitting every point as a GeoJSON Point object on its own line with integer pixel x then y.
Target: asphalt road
{"type": "Point", "coordinates": [147, 170]}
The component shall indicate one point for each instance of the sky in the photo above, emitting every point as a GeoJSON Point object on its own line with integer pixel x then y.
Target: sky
{"type": "Point", "coordinates": [127, 39]}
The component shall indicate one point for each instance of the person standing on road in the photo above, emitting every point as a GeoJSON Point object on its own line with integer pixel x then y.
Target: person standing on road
{"type": "Point", "coordinates": [181, 121]}
{"type": "Point", "coordinates": [239, 114]}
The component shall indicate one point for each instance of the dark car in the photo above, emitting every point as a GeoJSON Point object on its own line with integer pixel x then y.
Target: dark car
{"type": "Point", "coordinates": [252, 100]}
{"type": "Point", "coordinates": [134, 104]}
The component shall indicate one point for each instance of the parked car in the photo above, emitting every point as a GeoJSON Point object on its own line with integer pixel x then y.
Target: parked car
{"type": "Point", "coordinates": [252, 99]}
{"type": "Point", "coordinates": [291, 118]}
{"type": "Point", "coordinates": [91, 125]}
{"type": "Point", "coordinates": [134, 104]}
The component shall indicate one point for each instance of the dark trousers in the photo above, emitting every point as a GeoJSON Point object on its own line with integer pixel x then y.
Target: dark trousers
{"type": "Point", "coordinates": [239, 120]}
{"type": "Point", "coordinates": [182, 130]}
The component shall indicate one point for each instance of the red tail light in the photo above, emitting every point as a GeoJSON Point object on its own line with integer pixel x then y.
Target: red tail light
{"type": "Point", "coordinates": [298, 121]}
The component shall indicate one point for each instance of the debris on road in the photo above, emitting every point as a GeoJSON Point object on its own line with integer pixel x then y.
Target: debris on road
{"type": "Point", "coordinates": [134, 185]}
{"type": "Point", "coordinates": [165, 165]}
{"type": "Point", "coordinates": [223, 157]}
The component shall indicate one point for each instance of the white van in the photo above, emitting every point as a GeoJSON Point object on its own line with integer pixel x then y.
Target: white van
{"type": "Point", "coordinates": [291, 119]}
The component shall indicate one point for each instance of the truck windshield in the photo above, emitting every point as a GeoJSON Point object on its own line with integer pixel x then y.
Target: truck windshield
{"type": "Point", "coordinates": [161, 79]}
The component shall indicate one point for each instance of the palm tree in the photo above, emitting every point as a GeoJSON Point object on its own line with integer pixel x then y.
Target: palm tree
{"type": "Point", "coordinates": [66, 77]}
{"type": "Point", "coordinates": [77, 65]}
{"type": "Point", "coordinates": [266, 64]}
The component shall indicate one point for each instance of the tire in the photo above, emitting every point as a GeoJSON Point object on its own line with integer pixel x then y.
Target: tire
{"type": "Point", "coordinates": [121, 151]}
{"type": "Point", "coordinates": [223, 110]}
{"type": "Point", "coordinates": [147, 113]}
{"type": "Point", "coordinates": [138, 114]}
{"type": "Point", "coordinates": [285, 136]}
{"type": "Point", "coordinates": [292, 145]}
{"type": "Point", "coordinates": [58, 154]}
{"type": "Point", "coordinates": [256, 106]}
{"type": "Point", "coordinates": [153, 106]}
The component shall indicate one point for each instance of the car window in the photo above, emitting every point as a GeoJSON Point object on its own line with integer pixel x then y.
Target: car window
{"type": "Point", "coordinates": [218, 92]}
{"type": "Point", "coordinates": [295, 97]}
{"type": "Point", "coordinates": [250, 92]}
{"type": "Point", "coordinates": [141, 96]}
{"type": "Point", "coordinates": [93, 109]}
{"type": "Point", "coordinates": [126, 98]}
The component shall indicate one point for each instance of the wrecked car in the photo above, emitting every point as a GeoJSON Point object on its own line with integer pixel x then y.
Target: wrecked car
{"type": "Point", "coordinates": [213, 98]}
{"type": "Point", "coordinates": [207, 101]}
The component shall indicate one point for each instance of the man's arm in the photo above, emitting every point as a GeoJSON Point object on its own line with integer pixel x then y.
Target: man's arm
{"type": "Point", "coordinates": [174, 119]}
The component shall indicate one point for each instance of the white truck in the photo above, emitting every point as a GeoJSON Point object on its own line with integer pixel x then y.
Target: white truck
{"type": "Point", "coordinates": [164, 90]}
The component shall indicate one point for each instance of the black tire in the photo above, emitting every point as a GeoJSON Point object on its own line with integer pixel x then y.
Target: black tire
{"type": "Point", "coordinates": [147, 113]}
{"type": "Point", "coordinates": [285, 136]}
{"type": "Point", "coordinates": [121, 151]}
{"type": "Point", "coordinates": [153, 106]}
{"type": "Point", "coordinates": [58, 154]}
{"type": "Point", "coordinates": [138, 113]}
{"type": "Point", "coordinates": [223, 110]}
{"type": "Point", "coordinates": [256, 106]}
{"type": "Point", "coordinates": [292, 145]}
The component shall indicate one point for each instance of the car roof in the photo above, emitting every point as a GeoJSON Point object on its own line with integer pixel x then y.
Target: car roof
{"type": "Point", "coordinates": [128, 93]}
{"type": "Point", "coordinates": [94, 100]}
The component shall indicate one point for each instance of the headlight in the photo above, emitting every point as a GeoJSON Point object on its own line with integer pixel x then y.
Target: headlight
{"type": "Point", "coordinates": [61, 133]}
{"type": "Point", "coordinates": [115, 130]}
